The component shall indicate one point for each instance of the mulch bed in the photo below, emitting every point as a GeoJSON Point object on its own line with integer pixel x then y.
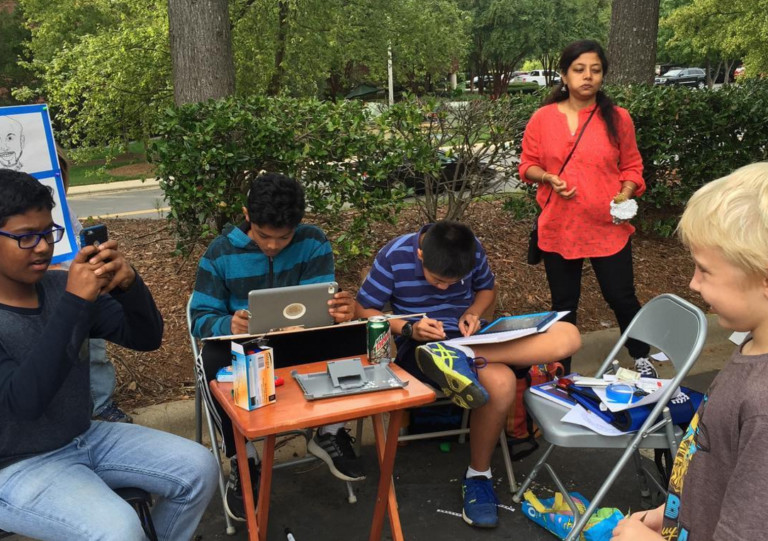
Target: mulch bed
{"type": "Point", "coordinates": [661, 266]}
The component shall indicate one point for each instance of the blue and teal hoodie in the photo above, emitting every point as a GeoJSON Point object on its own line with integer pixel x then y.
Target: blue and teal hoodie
{"type": "Point", "coordinates": [234, 265]}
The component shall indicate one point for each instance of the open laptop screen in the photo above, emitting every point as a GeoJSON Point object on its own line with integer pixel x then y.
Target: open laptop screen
{"type": "Point", "coordinates": [279, 307]}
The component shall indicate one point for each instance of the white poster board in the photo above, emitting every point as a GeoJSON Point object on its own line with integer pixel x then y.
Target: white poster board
{"type": "Point", "coordinates": [26, 144]}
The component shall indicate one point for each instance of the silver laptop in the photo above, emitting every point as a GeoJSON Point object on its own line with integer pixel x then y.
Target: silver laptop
{"type": "Point", "coordinates": [278, 307]}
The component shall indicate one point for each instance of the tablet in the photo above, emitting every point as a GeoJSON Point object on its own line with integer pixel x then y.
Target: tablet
{"type": "Point", "coordinates": [279, 307]}
{"type": "Point", "coordinates": [518, 323]}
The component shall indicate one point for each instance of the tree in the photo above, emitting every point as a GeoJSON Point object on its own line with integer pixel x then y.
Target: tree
{"type": "Point", "coordinates": [201, 50]}
{"type": "Point", "coordinates": [11, 50]}
{"type": "Point", "coordinates": [632, 40]}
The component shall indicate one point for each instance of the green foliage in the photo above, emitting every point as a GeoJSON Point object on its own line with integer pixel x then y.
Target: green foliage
{"type": "Point", "coordinates": [207, 152]}
{"type": "Point", "coordinates": [521, 205]}
{"type": "Point", "coordinates": [456, 152]}
{"type": "Point", "coordinates": [14, 34]}
{"type": "Point", "coordinates": [686, 137]}
{"type": "Point", "coordinates": [103, 66]}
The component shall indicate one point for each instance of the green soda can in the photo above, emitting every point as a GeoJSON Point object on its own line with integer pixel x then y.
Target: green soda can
{"type": "Point", "coordinates": [378, 339]}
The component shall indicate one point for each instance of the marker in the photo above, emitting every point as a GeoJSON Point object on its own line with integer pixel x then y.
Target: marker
{"type": "Point", "coordinates": [289, 535]}
{"type": "Point", "coordinates": [279, 381]}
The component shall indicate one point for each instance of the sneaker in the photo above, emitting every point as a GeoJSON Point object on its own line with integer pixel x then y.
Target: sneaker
{"type": "Point", "coordinates": [112, 414]}
{"type": "Point", "coordinates": [234, 504]}
{"type": "Point", "coordinates": [453, 372]}
{"type": "Point", "coordinates": [646, 369]}
{"type": "Point", "coordinates": [336, 451]}
{"type": "Point", "coordinates": [479, 502]}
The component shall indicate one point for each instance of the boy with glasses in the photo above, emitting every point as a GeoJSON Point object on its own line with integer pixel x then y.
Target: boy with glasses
{"type": "Point", "coordinates": [57, 466]}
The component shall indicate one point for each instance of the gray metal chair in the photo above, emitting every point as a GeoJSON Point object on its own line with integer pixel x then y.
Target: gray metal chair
{"type": "Point", "coordinates": [668, 323]}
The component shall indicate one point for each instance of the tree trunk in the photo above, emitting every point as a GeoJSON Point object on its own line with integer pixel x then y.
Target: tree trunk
{"type": "Point", "coordinates": [632, 41]}
{"type": "Point", "coordinates": [201, 50]}
{"type": "Point", "coordinates": [275, 82]}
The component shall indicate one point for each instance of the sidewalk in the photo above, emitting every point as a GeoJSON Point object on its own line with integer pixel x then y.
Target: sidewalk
{"type": "Point", "coordinates": [121, 186]}
{"type": "Point", "coordinates": [312, 503]}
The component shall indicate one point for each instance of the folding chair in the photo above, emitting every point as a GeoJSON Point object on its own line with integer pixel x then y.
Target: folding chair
{"type": "Point", "coordinates": [675, 327]}
{"type": "Point", "coordinates": [461, 433]}
{"type": "Point", "coordinates": [201, 387]}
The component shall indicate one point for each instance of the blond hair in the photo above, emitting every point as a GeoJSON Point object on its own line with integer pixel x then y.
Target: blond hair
{"type": "Point", "coordinates": [731, 214]}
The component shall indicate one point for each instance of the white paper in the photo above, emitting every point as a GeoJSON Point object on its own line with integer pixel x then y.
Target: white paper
{"type": "Point", "coordinates": [496, 337]}
{"type": "Point", "coordinates": [577, 415]}
{"type": "Point", "coordinates": [660, 357]}
{"type": "Point", "coordinates": [738, 337]}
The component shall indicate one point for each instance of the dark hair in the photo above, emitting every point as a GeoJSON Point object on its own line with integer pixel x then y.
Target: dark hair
{"type": "Point", "coordinates": [275, 200]}
{"type": "Point", "coordinates": [20, 192]}
{"type": "Point", "coordinates": [448, 249]}
{"type": "Point", "coordinates": [560, 92]}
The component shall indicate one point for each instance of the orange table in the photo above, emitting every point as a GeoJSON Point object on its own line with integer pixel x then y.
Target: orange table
{"type": "Point", "coordinates": [292, 411]}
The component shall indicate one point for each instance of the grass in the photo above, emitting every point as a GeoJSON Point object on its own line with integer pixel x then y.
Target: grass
{"type": "Point", "coordinates": [94, 168]}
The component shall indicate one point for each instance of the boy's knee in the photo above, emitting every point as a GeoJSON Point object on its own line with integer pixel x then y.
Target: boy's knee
{"type": "Point", "coordinates": [568, 338]}
{"type": "Point", "coordinates": [501, 384]}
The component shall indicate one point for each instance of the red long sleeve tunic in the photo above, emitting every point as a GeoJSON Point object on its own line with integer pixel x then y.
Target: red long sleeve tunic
{"type": "Point", "coordinates": [582, 226]}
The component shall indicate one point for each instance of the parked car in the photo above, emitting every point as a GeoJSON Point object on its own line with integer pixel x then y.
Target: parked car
{"type": "Point", "coordinates": [738, 72]}
{"type": "Point", "coordinates": [538, 76]}
{"type": "Point", "coordinates": [696, 77]}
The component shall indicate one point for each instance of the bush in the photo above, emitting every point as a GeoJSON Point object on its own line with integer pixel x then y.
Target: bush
{"type": "Point", "coordinates": [207, 151]}
{"type": "Point", "coordinates": [688, 138]}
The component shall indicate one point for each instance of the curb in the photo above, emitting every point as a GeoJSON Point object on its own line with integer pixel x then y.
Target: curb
{"type": "Point", "coordinates": [178, 417]}
{"type": "Point", "coordinates": [123, 185]}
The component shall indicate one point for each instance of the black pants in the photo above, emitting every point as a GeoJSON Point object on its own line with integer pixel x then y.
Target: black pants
{"type": "Point", "coordinates": [617, 283]}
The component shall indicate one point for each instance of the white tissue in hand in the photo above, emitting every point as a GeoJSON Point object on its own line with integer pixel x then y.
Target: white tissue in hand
{"type": "Point", "coordinates": [625, 210]}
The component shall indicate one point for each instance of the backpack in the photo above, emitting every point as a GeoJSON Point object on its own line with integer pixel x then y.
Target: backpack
{"type": "Point", "coordinates": [520, 429]}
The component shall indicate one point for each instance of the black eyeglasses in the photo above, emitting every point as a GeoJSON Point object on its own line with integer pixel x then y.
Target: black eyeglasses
{"type": "Point", "coordinates": [27, 241]}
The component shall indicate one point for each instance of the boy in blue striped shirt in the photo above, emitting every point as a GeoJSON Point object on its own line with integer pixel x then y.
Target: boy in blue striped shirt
{"type": "Point", "coordinates": [272, 248]}
{"type": "Point", "coordinates": [442, 270]}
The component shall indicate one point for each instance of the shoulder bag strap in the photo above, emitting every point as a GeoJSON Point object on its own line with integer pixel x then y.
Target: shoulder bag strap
{"type": "Point", "coordinates": [568, 158]}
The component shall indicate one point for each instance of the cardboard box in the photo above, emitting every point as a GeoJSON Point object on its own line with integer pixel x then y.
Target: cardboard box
{"type": "Point", "coordinates": [254, 374]}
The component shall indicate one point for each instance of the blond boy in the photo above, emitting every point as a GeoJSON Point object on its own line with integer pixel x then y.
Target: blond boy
{"type": "Point", "coordinates": [720, 470]}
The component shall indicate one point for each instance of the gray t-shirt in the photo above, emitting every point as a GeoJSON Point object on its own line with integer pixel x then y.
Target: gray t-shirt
{"type": "Point", "coordinates": [720, 472]}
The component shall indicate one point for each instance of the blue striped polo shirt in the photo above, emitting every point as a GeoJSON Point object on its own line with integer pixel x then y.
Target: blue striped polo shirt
{"type": "Point", "coordinates": [233, 265]}
{"type": "Point", "coordinates": [397, 277]}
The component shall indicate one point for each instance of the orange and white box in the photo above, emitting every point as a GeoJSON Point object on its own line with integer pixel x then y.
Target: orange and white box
{"type": "Point", "coordinates": [253, 368]}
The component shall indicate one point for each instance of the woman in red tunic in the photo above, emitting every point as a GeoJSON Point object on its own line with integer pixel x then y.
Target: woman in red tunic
{"type": "Point", "coordinates": [575, 221]}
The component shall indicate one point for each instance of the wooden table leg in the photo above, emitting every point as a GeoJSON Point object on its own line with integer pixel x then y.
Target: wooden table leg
{"type": "Point", "coordinates": [256, 515]}
{"type": "Point", "coordinates": [385, 497]}
{"type": "Point", "coordinates": [265, 489]}
{"type": "Point", "coordinates": [245, 485]}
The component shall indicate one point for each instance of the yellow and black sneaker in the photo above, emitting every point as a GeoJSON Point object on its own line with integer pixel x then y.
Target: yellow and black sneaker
{"type": "Point", "coordinates": [453, 372]}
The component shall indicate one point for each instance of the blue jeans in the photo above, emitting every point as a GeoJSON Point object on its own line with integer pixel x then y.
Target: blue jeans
{"type": "Point", "coordinates": [67, 493]}
{"type": "Point", "coordinates": [102, 375]}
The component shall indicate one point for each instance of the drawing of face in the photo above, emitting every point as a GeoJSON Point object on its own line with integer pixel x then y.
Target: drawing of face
{"type": "Point", "coordinates": [11, 143]}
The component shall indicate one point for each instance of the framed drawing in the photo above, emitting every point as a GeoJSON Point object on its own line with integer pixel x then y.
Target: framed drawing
{"type": "Point", "coordinates": [27, 144]}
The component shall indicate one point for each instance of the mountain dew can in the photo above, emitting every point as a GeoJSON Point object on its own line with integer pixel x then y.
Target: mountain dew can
{"type": "Point", "coordinates": [378, 339]}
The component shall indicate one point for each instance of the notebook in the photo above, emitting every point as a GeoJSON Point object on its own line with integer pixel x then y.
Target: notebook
{"type": "Point", "coordinates": [510, 328]}
{"type": "Point", "coordinates": [279, 307]}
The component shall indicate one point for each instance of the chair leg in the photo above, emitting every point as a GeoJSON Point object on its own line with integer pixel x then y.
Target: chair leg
{"type": "Point", "coordinates": [198, 416]}
{"type": "Point", "coordinates": [222, 484]}
{"type": "Point", "coordinates": [464, 425]}
{"type": "Point", "coordinates": [518, 497]}
{"type": "Point", "coordinates": [507, 462]}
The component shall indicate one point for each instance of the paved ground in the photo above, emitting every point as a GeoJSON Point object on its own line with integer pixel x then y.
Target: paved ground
{"type": "Point", "coordinates": [312, 503]}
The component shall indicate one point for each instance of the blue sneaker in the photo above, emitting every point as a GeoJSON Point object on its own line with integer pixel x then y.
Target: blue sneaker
{"type": "Point", "coordinates": [453, 372]}
{"type": "Point", "coordinates": [479, 502]}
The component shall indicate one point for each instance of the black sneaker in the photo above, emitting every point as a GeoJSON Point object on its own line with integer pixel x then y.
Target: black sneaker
{"type": "Point", "coordinates": [336, 451]}
{"type": "Point", "coordinates": [645, 368]}
{"type": "Point", "coordinates": [234, 504]}
{"type": "Point", "coordinates": [113, 414]}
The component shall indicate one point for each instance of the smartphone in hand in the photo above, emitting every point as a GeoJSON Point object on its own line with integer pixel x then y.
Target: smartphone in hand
{"type": "Point", "coordinates": [94, 235]}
